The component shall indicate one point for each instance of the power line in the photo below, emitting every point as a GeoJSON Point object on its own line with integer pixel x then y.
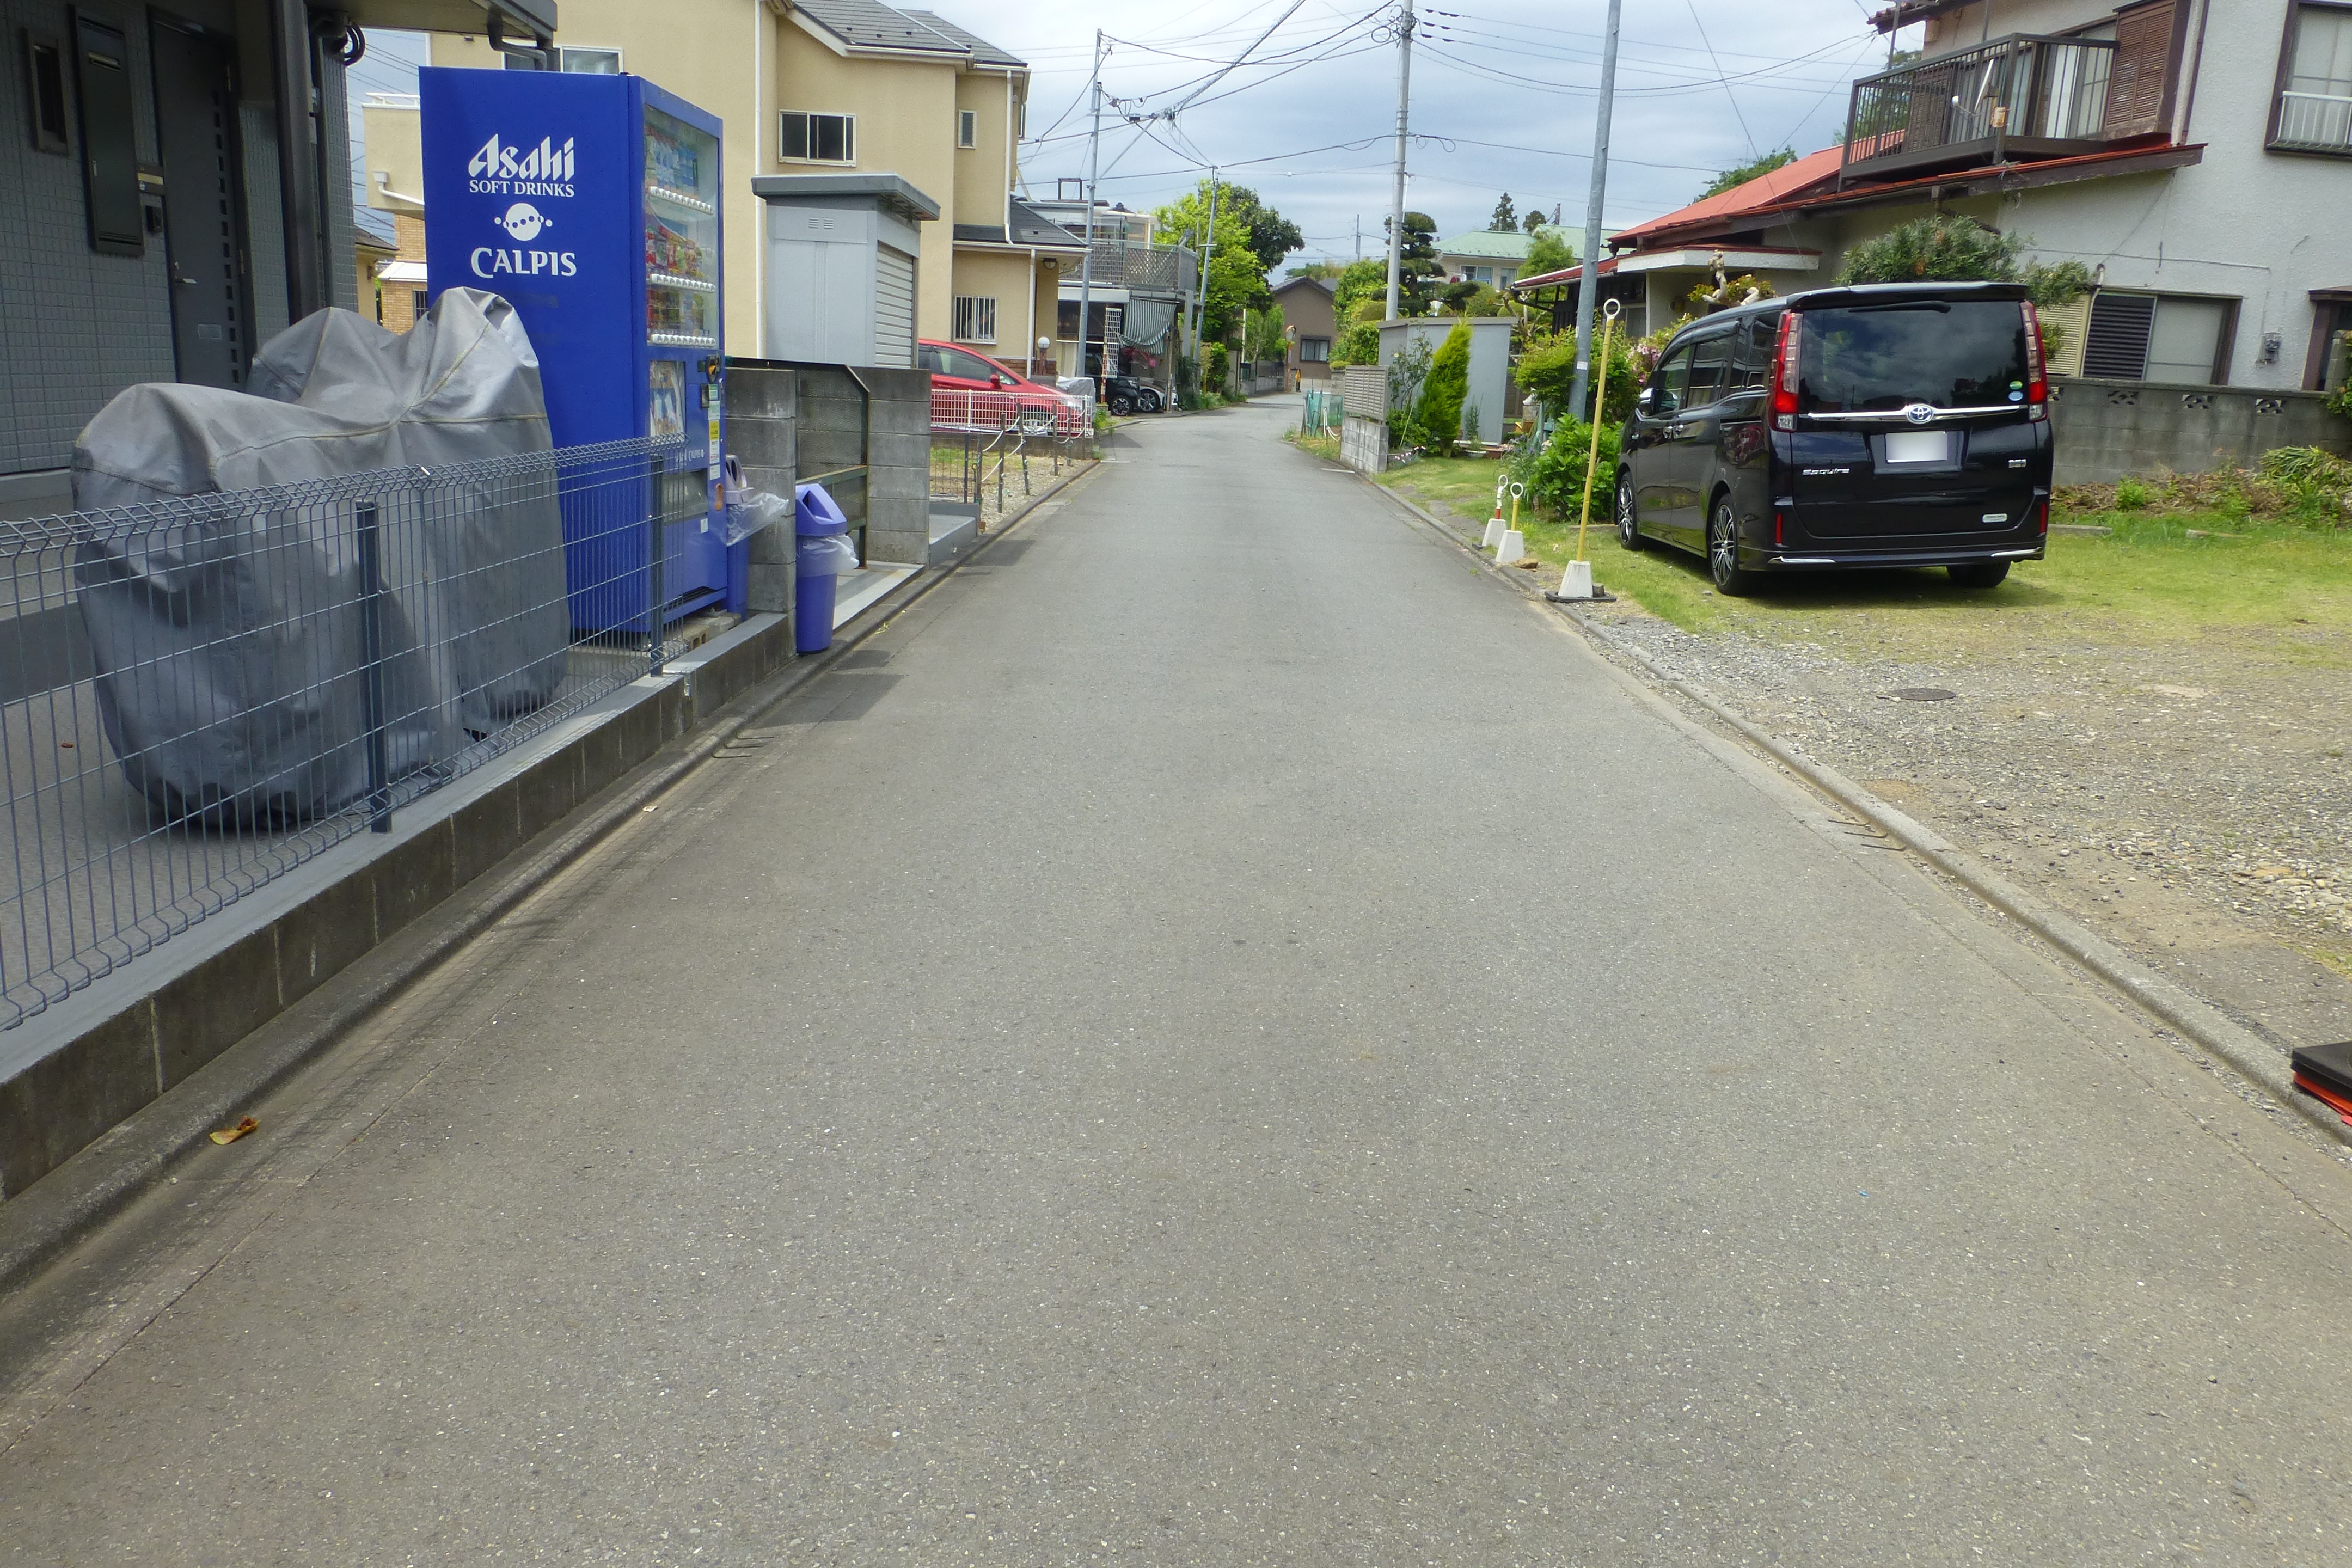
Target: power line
{"type": "Point", "coordinates": [1754, 150]}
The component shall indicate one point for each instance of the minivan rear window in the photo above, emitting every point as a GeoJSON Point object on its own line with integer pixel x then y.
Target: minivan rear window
{"type": "Point", "coordinates": [1952, 354]}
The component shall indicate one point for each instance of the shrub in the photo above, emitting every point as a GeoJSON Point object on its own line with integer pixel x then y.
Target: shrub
{"type": "Point", "coordinates": [1213, 368]}
{"type": "Point", "coordinates": [1547, 371]}
{"type": "Point", "coordinates": [1555, 476]}
{"type": "Point", "coordinates": [1940, 247]}
{"type": "Point", "coordinates": [1405, 374]}
{"type": "Point", "coordinates": [1359, 344]}
{"type": "Point", "coordinates": [1437, 411]}
{"type": "Point", "coordinates": [2131, 496]}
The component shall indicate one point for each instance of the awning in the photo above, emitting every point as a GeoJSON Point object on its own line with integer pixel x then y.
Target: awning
{"type": "Point", "coordinates": [401, 273]}
{"type": "Point", "coordinates": [522, 21]}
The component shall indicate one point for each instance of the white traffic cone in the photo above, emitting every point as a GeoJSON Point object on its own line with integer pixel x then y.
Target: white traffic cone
{"type": "Point", "coordinates": [1495, 524]}
{"type": "Point", "coordinates": [1511, 548]}
{"type": "Point", "coordinates": [1576, 582]}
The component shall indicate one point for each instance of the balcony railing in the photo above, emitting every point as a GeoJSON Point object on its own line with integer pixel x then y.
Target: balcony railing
{"type": "Point", "coordinates": [2015, 97]}
{"type": "Point", "coordinates": [2319, 120]}
{"type": "Point", "coordinates": [1126, 264]}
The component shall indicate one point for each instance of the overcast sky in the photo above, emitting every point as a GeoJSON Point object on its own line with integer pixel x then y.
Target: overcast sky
{"type": "Point", "coordinates": [1503, 92]}
{"type": "Point", "coordinates": [1316, 140]}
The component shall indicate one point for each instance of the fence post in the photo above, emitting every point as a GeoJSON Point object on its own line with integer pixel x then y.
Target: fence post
{"type": "Point", "coordinates": [656, 547]}
{"type": "Point", "coordinates": [379, 770]}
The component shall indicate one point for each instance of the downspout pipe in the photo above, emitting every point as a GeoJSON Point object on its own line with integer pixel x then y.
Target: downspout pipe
{"type": "Point", "coordinates": [294, 64]}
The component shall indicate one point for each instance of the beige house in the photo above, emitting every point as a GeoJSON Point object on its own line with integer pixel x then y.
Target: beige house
{"type": "Point", "coordinates": [839, 86]}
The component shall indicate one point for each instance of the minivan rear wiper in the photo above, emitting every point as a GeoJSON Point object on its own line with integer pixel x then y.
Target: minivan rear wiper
{"type": "Point", "coordinates": [1940, 306]}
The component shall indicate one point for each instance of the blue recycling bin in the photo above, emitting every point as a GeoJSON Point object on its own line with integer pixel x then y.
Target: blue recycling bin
{"type": "Point", "coordinates": [820, 558]}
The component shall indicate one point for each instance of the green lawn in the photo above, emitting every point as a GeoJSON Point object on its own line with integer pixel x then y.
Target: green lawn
{"type": "Point", "coordinates": [2285, 588]}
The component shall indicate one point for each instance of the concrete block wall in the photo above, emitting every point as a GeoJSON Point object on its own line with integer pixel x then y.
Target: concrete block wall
{"type": "Point", "coordinates": [2106, 429]}
{"type": "Point", "coordinates": [763, 432]}
{"type": "Point", "coordinates": [898, 466]}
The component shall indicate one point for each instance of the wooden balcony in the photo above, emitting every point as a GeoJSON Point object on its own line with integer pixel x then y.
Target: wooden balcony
{"type": "Point", "coordinates": [2015, 98]}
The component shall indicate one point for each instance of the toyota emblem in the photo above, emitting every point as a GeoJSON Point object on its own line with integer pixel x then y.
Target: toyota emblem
{"type": "Point", "coordinates": [1919, 413]}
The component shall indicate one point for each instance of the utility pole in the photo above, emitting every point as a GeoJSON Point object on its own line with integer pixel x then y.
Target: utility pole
{"type": "Point", "coordinates": [1360, 237]}
{"type": "Point", "coordinates": [1587, 283]}
{"type": "Point", "coordinates": [1404, 25]}
{"type": "Point", "coordinates": [1208, 259]}
{"type": "Point", "coordinates": [1086, 267]}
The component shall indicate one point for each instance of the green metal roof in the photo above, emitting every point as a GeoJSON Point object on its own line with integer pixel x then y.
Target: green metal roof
{"type": "Point", "coordinates": [1488, 242]}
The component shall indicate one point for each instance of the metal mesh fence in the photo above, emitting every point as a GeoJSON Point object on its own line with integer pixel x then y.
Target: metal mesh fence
{"type": "Point", "coordinates": [201, 694]}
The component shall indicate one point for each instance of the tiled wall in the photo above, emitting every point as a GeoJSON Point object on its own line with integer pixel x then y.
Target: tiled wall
{"type": "Point", "coordinates": [76, 327]}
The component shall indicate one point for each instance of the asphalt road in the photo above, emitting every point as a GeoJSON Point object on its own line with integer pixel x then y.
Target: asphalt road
{"type": "Point", "coordinates": [1225, 1035]}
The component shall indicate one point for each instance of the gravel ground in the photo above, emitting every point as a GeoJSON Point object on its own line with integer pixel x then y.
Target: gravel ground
{"type": "Point", "coordinates": [2192, 804]}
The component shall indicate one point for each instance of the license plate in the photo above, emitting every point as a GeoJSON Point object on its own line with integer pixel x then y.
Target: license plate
{"type": "Point", "coordinates": [1918, 446]}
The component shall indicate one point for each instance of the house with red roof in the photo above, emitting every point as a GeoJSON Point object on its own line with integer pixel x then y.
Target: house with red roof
{"type": "Point", "coordinates": [2194, 155]}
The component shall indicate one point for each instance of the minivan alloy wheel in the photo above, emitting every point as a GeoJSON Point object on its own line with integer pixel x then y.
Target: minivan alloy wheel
{"type": "Point", "coordinates": [1723, 551]}
{"type": "Point", "coordinates": [1629, 529]}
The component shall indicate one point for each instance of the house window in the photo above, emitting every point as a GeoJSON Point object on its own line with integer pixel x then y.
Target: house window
{"type": "Point", "coordinates": [975, 319]}
{"type": "Point", "coordinates": [45, 91]}
{"type": "Point", "coordinates": [1314, 350]}
{"type": "Point", "coordinates": [819, 138]}
{"type": "Point", "coordinates": [2179, 338]}
{"type": "Point", "coordinates": [583, 62]}
{"type": "Point", "coordinates": [967, 128]}
{"type": "Point", "coordinates": [2314, 113]}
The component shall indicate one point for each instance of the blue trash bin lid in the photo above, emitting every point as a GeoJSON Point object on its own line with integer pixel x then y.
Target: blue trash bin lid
{"type": "Point", "coordinates": [817, 513]}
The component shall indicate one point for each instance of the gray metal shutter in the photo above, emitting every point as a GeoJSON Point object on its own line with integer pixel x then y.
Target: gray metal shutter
{"type": "Point", "coordinates": [2115, 348]}
{"type": "Point", "coordinates": [894, 308]}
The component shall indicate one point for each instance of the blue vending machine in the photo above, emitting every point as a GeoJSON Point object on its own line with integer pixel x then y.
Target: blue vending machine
{"type": "Point", "coordinates": [592, 203]}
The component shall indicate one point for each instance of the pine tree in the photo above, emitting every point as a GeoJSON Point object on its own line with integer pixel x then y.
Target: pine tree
{"type": "Point", "coordinates": [1506, 217]}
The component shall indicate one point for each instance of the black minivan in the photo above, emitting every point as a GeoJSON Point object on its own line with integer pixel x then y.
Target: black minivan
{"type": "Point", "coordinates": [1874, 426]}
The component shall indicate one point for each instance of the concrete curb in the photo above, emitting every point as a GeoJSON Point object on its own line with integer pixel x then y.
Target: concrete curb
{"type": "Point", "coordinates": [102, 1178]}
{"type": "Point", "coordinates": [2232, 1045]}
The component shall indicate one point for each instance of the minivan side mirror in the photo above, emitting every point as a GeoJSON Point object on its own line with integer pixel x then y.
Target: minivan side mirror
{"type": "Point", "coordinates": [1647, 400]}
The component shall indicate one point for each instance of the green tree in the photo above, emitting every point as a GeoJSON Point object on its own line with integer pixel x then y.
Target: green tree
{"type": "Point", "coordinates": [1437, 411]}
{"type": "Point", "coordinates": [1534, 220]}
{"type": "Point", "coordinates": [1234, 280]}
{"type": "Point", "coordinates": [1365, 279]}
{"type": "Point", "coordinates": [1546, 370]}
{"type": "Point", "coordinates": [1506, 219]}
{"type": "Point", "coordinates": [1549, 252]}
{"type": "Point", "coordinates": [1731, 178]}
{"type": "Point", "coordinates": [1419, 277]}
{"type": "Point", "coordinates": [1268, 234]}
{"type": "Point", "coordinates": [1262, 338]}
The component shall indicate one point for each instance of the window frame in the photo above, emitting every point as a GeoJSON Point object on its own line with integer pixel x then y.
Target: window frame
{"type": "Point", "coordinates": [2288, 37]}
{"type": "Point", "coordinates": [969, 312]}
{"type": "Point", "coordinates": [42, 48]}
{"type": "Point", "coordinates": [808, 118]}
{"type": "Point", "coordinates": [518, 59]}
{"type": "Point", "coordinates": [1307, 351]}
{"type": "Point", "coordinates": [2225, 339]}
{"type": "Point", "coordinates": [967, 130]}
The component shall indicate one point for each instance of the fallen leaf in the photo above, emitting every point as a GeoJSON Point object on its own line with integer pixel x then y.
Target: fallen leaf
{"type": "Point", "coordinates": [231, 1134]}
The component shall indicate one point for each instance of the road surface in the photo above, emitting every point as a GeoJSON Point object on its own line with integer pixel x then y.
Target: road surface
{"type": "Point", "coordinates": [1223, 1035]}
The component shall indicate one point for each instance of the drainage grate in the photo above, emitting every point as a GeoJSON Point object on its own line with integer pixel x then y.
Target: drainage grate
{"type": "Point", "coordinates": [1925, 694]}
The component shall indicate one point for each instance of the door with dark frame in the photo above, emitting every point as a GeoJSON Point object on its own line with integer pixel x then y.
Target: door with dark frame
{"type": "Point", "coordinates": [196, 129]}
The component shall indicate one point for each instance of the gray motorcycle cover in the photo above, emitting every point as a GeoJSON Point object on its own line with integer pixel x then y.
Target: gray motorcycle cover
{"type": "Point", "coordinates": [229, 648]}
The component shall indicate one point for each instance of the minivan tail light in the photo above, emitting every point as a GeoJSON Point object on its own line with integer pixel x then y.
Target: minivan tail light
{"type": "Point", "coordinates": [1784, 372]}
{"type": "Point", "coordinates": [2037, 381]}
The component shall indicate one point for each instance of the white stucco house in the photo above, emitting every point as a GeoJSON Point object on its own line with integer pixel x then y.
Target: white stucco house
{"type": "Point", "coordinates": [2195, 155]}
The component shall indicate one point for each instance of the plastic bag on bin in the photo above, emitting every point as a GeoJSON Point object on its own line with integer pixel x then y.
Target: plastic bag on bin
{"type": "Point", "coordinates": [228, 648]}
{"type": "Point", "coordinates": [827, 556]}
{"type": "Point", "coordinates": [756, 511]}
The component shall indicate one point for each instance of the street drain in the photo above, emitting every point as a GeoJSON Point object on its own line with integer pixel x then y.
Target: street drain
{"type": "Point", "coordinates": [1925, 694]}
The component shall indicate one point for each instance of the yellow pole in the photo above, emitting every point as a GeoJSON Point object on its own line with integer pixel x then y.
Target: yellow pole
{"type": "Point", "coordinates": [1592, 458]}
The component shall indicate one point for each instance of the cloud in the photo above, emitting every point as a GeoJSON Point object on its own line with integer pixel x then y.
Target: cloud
{"type": "Point", "coordinates": [1503, 100]}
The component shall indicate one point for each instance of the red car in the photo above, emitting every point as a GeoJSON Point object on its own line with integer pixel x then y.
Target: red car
{"type": "Point", "coordinates": [972, 391]}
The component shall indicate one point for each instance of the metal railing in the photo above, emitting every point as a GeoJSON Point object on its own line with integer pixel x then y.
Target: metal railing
{"type": "Point", "coordinates": [1039, 413]}
{"type": "Point", "coordinates": [2022, 93]}
{"type": "Point", "coordinates": [990, 471]}
{"type": "Point", "coordinates": [2317, 120]}
{"type": "Point", "coordinates": [198, 695]}
{"type": "Point", "coordinates": [1130, 264]}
